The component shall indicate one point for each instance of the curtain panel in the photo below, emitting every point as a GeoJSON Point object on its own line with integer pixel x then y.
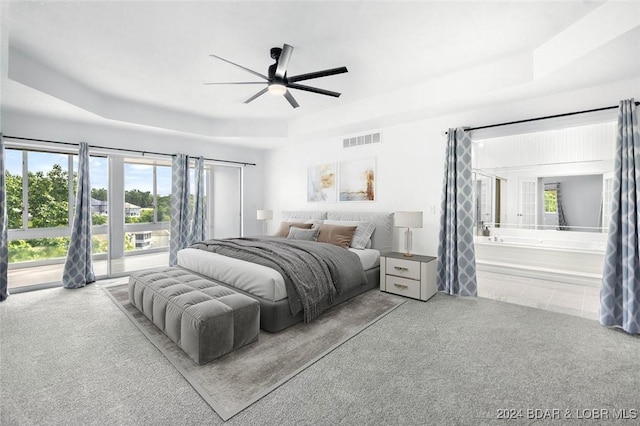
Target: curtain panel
{"type": "Point", "coordinates": [198, 222]}
{"type": "Point", "coordinates": [179, 206]}
{"type": "Point", "coordinates": [456, 267]}
{"type": "Point", "coordinates": [562, 220]}
{"type": "Point", "coordinates": [620, 292]}
{"type": "Point", "coordinates": [4, 228]}
{"type": "Point", "coordinates": [78, 266]}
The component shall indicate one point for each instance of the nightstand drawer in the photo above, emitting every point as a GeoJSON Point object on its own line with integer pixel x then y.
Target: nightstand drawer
{"type": "Point", "coordinates": [403, 268]}
{"type": "Point", "coordinates": [403, 286]}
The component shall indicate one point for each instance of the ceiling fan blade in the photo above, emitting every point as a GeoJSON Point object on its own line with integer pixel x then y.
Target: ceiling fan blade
{"type": "Point", "coordinates": [240, 66]}
{"type": "Point", "coordinates": [260, 93]}
{"type": "Point", "coordinates": [291, 99]}
{"type": "Point", "coordinates": [317, 74]}
{"type": "Point", "coordinates": [314, 90]}
{"type": "Point", "coordinates": [283, 61]}
{"type": "Point", "coordinates": [239, 82]}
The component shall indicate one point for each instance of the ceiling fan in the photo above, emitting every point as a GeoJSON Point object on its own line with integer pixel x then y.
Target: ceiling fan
{"type": "Point", "coordinates": [277, 80]}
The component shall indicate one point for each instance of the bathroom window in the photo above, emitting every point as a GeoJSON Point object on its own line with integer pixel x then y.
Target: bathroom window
{"type": "Point", "coordinates": [551, 201]}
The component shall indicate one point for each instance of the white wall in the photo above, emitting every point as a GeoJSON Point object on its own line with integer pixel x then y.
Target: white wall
{"type": "Point", "coordinates": [410, 159]}
{"type": "Point", "coordinates": [409, 165]}
{"type": "Point", "coordinates": [143, 138]}
{"type": "Point", "coordinates": [581, 199]}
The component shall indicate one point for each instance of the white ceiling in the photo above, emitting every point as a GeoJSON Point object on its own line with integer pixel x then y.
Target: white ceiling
{"type": "Point", "coordinates": [146, 62]}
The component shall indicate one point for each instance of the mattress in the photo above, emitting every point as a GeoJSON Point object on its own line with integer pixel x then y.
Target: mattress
{"type": "Point", "coordinates": [258, 280]}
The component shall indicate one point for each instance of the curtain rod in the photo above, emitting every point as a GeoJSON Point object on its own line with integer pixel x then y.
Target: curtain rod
{"type": "Point", "coordinates": [120, 149]}
{"type": "Point", "coordinates": [566, 114]}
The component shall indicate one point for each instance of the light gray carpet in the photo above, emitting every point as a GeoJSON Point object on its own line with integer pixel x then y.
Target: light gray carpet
{"type": "Point", "coordinates": [71, 357]}
{"type": "Point", "coordinates": [233, 382]}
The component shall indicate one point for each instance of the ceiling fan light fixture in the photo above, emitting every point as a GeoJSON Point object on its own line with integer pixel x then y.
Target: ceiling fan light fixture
{"type": "Point", "coordinates": [278, 83]}
{"type": "Point", "coordinates": [277, 89]}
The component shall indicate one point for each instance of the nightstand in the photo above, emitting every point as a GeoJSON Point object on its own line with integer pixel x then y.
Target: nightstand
{"type": "Point", "coordinates": [413, 276]}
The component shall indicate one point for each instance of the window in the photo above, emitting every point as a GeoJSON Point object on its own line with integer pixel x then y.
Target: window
{"type": "Point", "coordinates": [40, 205]}
{"type": "Point", "coordinates": [163, 191]}
{"type": "Point", "coordinates": [551, 201]}
{"type": "Point", "coordinates": [99, 177]}
{"type": "Point", "coordinates": [568, 162]}
{"type": "Point", "coordinates": [147, 196]}
{"type": "Point", "coordinates": [48, 194]}
{"type": "Point", "coordinates": [138, 193]}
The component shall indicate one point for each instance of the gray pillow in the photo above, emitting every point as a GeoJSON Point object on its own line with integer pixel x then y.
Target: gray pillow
{"type": "Point", "coordinates": [303, 234]}
{"type": "Point", "coordinates": [283, 230]}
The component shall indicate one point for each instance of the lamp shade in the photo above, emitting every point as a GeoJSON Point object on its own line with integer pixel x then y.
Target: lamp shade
{"type": "Point", "coordinates": [407, 219]}
{"type": "Point", "coordinates": [265, 214]}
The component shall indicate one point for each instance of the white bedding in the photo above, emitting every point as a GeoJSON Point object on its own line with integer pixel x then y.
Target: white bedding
{"type": "Point", "coordinates": [259, 280]}
{"type": "Point", "coordinates": [369, 258]}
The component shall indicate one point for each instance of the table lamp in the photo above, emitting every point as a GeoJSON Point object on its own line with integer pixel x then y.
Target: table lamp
{"type": "Point", "coordinates": [264, 216]}
{"type": "Point", "coordinates": [408, 220]}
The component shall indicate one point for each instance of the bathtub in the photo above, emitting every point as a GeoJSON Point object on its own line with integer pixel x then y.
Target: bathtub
{"type": "Point", "coordinates": [578, 261]}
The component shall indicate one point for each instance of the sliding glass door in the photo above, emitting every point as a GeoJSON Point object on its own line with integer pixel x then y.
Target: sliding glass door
{"type": "Point", "coordinates": [130, 209]}
{"type": "Point", "coordinates": [40, 207]}
{"type": "Point", "coordinates": [140, 217]}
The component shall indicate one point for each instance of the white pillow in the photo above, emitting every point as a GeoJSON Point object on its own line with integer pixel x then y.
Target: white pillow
{"type": "Point", "coordinates": [363, 233]}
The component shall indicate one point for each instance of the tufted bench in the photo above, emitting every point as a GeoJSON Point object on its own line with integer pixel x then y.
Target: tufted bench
{"type": "Point", "coordinates": [205, 319]}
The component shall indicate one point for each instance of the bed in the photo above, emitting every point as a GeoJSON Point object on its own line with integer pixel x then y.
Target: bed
{"type": "Point", "coordinates": [268, 286]}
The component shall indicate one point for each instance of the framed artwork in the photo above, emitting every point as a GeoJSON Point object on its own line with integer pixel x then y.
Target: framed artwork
{"type": "Point", "coordinates": [357, 180]}
{"type": "Point", "coordinates": [321, 183]}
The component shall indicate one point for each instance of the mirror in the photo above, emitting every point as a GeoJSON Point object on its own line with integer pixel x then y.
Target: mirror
{"type": "Point", "coordinates": [556, 180]}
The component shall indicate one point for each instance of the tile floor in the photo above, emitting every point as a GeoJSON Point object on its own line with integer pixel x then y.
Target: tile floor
{"type": "Point", "coordinates": [554, 296]}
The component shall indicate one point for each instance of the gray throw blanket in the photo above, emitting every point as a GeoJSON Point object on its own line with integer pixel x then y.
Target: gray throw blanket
{"type": "Point", "coordinates": [313, 272]}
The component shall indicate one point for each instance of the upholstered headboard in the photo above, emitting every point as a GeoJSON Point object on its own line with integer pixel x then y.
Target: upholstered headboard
{"type": "Point", "coordinates": [382, 237]}
{"type": "Point", "coordinates": [306, 215]}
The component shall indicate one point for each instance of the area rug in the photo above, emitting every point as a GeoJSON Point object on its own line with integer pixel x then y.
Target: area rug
{"type": "Point", "coordinates": [233, 382]}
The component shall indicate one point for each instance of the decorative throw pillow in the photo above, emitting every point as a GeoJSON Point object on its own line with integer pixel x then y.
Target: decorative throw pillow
{"type": "Point", "coordinates": [362, 236]}
{"type": "Point", "coordinates": [337, 235]}
{"type": "Point", "coordinates": [303, 234]}
{"type": "Point", "coordinates": [283, 231]}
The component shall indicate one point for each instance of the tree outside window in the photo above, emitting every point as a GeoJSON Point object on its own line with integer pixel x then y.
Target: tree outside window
{"type": "Point", "coordinates": [551, 201]}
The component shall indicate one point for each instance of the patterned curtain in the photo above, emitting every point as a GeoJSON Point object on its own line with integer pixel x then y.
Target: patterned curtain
{"type": "Point", "coordinates": [179, 206]}
{"type": "Point", "coordinates": [198, 221]}
{"type": "Point", "coordinates": [4, 225]}
{"type": "Point", "coordinates": [562, 220]}
{"type": "Point", "coordinates": [620, 293]}
{"type": "Point", "coordinates": [456, 267]}
{"type": "Point", "coordinates": [562, 224]}
{"type": "Point", "coordinates": [78, 267]}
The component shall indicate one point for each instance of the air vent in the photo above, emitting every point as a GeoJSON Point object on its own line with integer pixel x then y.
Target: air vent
{"type": "Point", "coordinates": [359, 140]}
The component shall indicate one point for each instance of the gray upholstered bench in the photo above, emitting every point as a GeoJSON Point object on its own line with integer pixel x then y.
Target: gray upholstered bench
{"type": "Point", "coordinates": [205, 319]}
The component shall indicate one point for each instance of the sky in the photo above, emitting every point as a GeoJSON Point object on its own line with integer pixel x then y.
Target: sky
{"type": "Point", "coordinates": [137, 176]}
